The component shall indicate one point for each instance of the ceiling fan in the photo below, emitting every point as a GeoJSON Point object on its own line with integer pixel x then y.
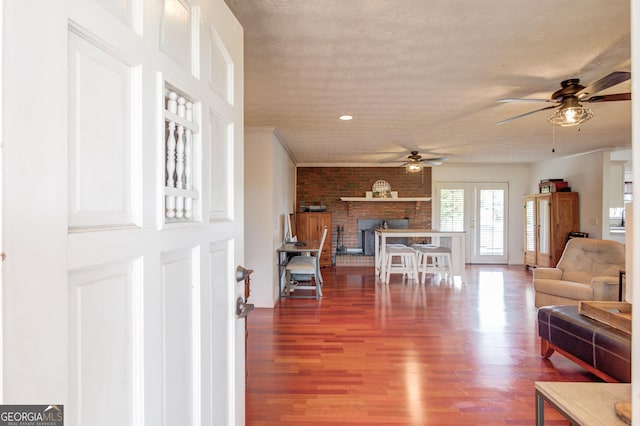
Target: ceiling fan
{"type": "Point", "coordinates": [570, 97]}
{"type": "Point", "coordinates": [415, 162]}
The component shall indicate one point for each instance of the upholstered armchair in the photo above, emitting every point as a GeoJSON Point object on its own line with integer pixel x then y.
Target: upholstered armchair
{"type": "Point", "coordinates": [589, 269]}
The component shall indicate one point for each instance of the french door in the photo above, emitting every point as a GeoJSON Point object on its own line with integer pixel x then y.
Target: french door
{"type": "Point", "coordinates": [480, 210]}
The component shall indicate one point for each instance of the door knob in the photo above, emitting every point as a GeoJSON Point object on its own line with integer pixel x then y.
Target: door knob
{"type": "Point", "coordinates": [242, 273]}
{"type": "Point", "coordinates": [242, 308]}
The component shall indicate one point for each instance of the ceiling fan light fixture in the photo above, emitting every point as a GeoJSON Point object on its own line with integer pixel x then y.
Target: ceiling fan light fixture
{"type": "Point", "coordinates": [570, 116]}
{"type": "Point", "coordinates": [413, 166]}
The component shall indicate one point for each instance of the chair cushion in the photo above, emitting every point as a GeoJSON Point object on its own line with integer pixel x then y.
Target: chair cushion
{"type": "Point", "coordinates": [302, 265]}
{"type": "Point", "coordinates": [400, 250]}
{"type": "Point", "coordinates": [428, 248]}
{"type": "Point", "coordinates": [567, 289]}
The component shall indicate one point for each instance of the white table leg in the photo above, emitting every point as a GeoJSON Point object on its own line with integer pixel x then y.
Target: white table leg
{"type": "Point", "coordinates": [377, 252]}
{"type": "Point", "coordinates": [458, 256]}
{"type": "Point", "coordinates": [383, 251]}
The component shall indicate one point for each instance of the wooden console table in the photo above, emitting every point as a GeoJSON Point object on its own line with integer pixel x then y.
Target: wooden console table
{"type": "Point", "coordinates": [586, 404]}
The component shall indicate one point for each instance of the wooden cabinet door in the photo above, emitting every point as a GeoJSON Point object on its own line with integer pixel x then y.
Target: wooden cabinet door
{"type": "Point", "coordinates": [543, 222]}
{"type": "Point", "coordinates": [565, 217]}
{"type": "Point", "coordinates": [309, 226]}
{"type": "Point", "coordinates": [325, 222]}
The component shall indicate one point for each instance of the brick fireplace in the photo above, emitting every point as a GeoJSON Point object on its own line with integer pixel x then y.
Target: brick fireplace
{"type": "Point", "coordinates": [366, 230]}
{"type": "Point", "coordinates": [326, 185]}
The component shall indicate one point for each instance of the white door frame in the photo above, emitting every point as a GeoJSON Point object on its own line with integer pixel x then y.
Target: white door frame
{"type": "Point", "coordinates": [2, 6]}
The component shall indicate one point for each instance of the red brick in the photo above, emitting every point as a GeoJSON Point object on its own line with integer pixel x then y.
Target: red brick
{"type": "Point", "coordinates": [325, 186]}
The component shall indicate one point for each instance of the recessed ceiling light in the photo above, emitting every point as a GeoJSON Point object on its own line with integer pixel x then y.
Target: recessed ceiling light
{"type": "Point", "coordinates": [346, 117]}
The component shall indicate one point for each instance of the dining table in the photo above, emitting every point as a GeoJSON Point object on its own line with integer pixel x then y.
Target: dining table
{"type": "Point", "coordinates": [455, 240]}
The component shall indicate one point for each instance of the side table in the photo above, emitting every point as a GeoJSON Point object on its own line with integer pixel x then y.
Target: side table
{"type": "Point", "coordinates": [585, 403]}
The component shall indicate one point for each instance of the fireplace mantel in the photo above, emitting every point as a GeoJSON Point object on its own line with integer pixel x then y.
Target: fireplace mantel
{"type": "Point", "coordinates": [385, 200]}
{"type": "Point", "coordinates": [416, 200]}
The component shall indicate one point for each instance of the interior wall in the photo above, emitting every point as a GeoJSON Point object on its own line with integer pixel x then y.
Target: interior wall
{"type": "Point", "coordinates": [326, 185]}
{"type": "Point", "coordinates": [585, 174]}
{"type": "Point", "coordinates": [269, 196]}
{"type": "Point", "coordinates": [517, 176]}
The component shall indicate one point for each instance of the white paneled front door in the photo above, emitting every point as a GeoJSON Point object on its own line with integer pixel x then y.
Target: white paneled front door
{"type": "Point", "coordinates": [122, 210]}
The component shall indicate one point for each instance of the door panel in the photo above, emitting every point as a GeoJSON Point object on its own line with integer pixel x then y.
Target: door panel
{"type": "Point", "coordinates": [544, 236]}
{"type": "Point", "coordinates": [220, 148]}
{"type": "Point", "coordinates": [180, 337]}
{"type": "Point", "coordinates": [219, 326]}
{"type": "Point", "coordinates": [101, 140]}
{"type": "Point", "coordinates": [135, 308]}
{"type": "Point", "coordinates": [118, 286]}
{"type": "Point", "coordinates": [530, 231]}
{"type": "Point", "coordinates": [491, 224]}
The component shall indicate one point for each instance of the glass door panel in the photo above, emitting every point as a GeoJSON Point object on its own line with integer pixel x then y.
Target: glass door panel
{"type": "Point", "coordinates": [543, 227]}
{"type": "Point", "coordinates": [491, 222]}
{"type": "Point", "coordinates": [529, 226]}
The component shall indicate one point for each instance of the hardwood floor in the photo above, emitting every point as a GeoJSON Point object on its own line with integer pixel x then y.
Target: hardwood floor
{"type": "Point", "coordinates": [402, 354]}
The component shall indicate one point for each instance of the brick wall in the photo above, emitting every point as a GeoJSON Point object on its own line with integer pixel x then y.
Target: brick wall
{"type": "Point", "coordinates": [325, 185]}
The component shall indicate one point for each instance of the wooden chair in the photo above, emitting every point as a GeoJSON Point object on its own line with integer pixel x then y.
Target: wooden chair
{"type": "Point", "coordinates": [306, 268]}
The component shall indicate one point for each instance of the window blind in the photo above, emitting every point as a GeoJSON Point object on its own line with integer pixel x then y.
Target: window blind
{"type": "Point", "coordinates": [452, 210]}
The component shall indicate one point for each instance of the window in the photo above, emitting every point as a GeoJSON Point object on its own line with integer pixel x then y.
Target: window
{"type": "Point", "coordinates": [491, 222]}
{"type": "Point", "coordinates": [452, 210]}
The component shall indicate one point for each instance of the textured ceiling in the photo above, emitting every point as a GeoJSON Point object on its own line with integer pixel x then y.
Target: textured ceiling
{"type": "Point", "coordinates": [425, 75]}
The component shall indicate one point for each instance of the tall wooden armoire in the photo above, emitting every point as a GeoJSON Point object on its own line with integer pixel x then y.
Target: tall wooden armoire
{"type": "Point", "coordinates": [548, 220]}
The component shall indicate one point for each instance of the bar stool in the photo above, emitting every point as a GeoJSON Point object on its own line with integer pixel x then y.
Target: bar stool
{"type": "Point", "coordinates": [394, 245]}
{"type": "Point", "coordinates": [406, 263]}
{"type": "Point", "coordinates": [433, 259]}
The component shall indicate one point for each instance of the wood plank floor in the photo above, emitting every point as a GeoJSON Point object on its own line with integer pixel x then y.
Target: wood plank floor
{"type": "Point", "coordinates": [402, 354]}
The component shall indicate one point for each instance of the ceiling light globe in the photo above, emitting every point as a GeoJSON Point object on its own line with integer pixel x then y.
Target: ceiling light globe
{"type": "Point", "coordinates": [414, 167]}
{"type": "Point", "coordinates": [570, 116]}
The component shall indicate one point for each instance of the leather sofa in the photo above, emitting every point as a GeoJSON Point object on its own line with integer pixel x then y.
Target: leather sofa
{"type": "Point", "coordinates": [589, 269]}
{"type": "Point", "coordinates": [599, 348]}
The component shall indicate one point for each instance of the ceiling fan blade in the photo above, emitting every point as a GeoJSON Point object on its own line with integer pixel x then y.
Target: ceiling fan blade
{"type": "Point", "coordinates": [525, 100]}
{"type": "Point", "coordinates": [609, 98]}
{"type": "Point", "coordinates": [605, 82]}
{"type": "Point", "coordinates": [526, 113]}
{"type": "Point", "coordinates": [434, 161]}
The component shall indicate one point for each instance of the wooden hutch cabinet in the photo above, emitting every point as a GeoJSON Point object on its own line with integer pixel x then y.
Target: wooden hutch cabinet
{"type": "Point", "coordinates": [309, 226]}
{"type": "Point", "coordinates": [548, 219]}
